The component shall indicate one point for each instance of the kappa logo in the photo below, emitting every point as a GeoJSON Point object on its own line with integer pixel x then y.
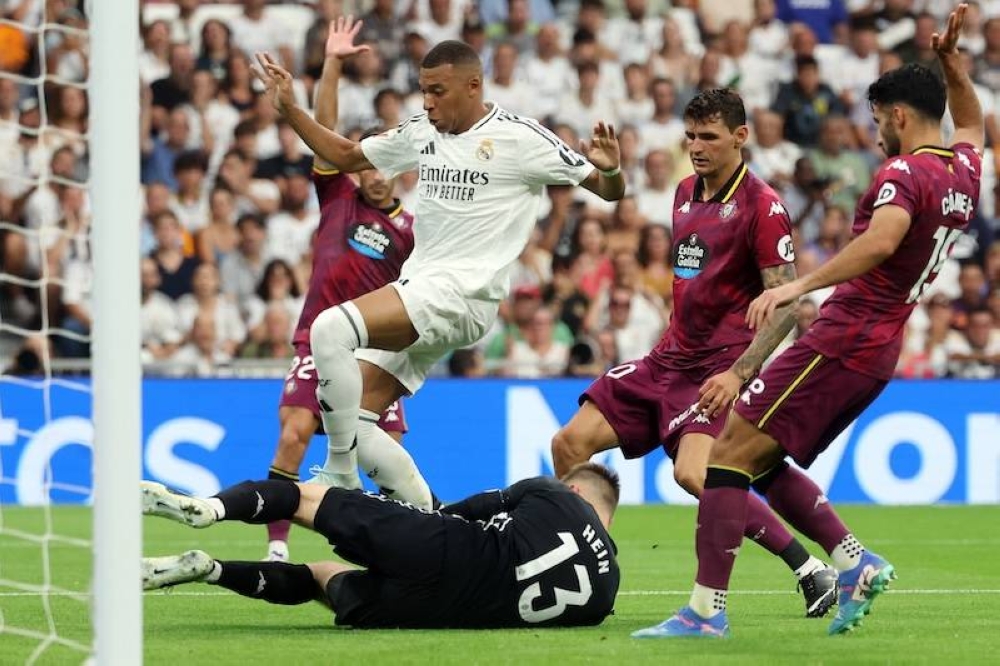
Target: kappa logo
{"type": "Point", "coordinates": [901, 165]}
{"type": "Point", "coordinates": [776, 209]}
{"type": "Point", "coordinates": [686, 208]}
{"type": "Point", "coordinates": [964, 159]}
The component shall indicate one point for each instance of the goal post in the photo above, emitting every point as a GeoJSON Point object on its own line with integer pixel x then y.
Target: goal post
{"type": "Point", "coordinates": [116, 368]}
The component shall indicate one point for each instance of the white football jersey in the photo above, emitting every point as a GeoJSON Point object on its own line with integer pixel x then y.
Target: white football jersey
{"type": "Point", "coordinates": [479, 192]}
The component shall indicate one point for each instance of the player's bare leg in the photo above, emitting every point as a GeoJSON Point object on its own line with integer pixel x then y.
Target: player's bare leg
{"type": "Point", "coordinates": [817, 580]}
{"type": "Point", "coordinates": [377, 320]}
{"type": "Point", "coordinates": [587, 433]}
{"type": "Point", "coordinates": [298, 425]}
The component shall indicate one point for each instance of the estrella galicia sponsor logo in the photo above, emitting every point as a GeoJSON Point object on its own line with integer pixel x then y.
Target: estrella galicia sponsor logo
{"type": "Point", "coordinates": [690, 257]}
{"type": "Point", "coordinates": [369, 239]}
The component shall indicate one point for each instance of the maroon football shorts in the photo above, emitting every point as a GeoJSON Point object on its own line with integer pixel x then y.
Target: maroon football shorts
{"type": "Point", "coordinates": [300, 391]}
{"type": "Point", "coordinates": [804, 400]}
{"type": "Point", "coordinates": [648, 406]}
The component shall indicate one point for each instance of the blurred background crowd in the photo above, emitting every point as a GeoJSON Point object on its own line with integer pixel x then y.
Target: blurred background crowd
{"type": "Point", "coordinates": [230, 210]}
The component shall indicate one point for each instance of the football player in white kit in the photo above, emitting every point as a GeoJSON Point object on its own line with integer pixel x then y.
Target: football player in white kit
{"type": "Point", "coordinates": [483, 172]}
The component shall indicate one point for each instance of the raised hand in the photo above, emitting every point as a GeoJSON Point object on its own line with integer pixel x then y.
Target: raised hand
{"type": "Point", "coordinates": [340, 39]}
{"type": "Point", "coordinates": [602, 150]}
{"type": "Point", "coordinates": [277, 82]}
{"type": "Point", "coordinates": [947, 42]}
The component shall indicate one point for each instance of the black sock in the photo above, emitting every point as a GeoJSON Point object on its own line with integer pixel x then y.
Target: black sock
{"type": "Point", "coordinates": [260, 502]}
{"type": "Point", "coordinates": [276, 474]}
{"type": "Point", "coordinates": [273, 582]}
{"type": "Point", "coordinates": [795, 555]}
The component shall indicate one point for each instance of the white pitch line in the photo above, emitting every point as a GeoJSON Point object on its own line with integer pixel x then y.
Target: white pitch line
{"type": "Point", "coordinates": [625, 593]}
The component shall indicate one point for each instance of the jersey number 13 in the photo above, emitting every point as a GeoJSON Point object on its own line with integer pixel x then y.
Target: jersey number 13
{"type": "Point", "coordinates": [563, 597]}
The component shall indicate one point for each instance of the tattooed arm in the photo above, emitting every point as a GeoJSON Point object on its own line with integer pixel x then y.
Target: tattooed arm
{"type": "Point", "coordinates": [719, 391]}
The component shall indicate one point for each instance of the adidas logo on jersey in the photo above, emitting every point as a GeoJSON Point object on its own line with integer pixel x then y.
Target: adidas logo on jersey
{"type": "Point", "coordinates": [428, 149]}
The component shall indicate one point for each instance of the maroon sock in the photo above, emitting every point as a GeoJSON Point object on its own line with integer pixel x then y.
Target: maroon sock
{"type": "Point", "coordinates": [722, 514]}
{"type": "Point", "coordinates": [765, 528]}
{"type": "Point", "coordinates": [797, 499]}
{"type": "Point", "coordinates": [278, 530]}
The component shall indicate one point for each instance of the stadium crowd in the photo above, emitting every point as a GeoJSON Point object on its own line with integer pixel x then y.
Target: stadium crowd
{"type": "Point", "coordinates": [230, 211]}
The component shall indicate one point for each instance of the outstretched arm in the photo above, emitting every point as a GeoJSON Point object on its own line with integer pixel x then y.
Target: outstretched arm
{"type": "Point", "coordinates": [718, 392]}
{"type": "Point", "coordinates": [339, 47]}
{"type": "Point", "coordinates": [962, 100]}
{"type": "Point", "coordinates": [606, 181]}
{"type": "Point", "coordinates": [326, 144]}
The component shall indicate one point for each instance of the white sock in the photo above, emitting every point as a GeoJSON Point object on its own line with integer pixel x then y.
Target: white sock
{"type": "Point", "coordinates": [217, 506]}
{"type": "Point", "coordinates": [215, 574]}
{"type": "Point", "coordinates": [707, 601]}
{"type": "Point", "coordinates": [334, 336]}
{"type": "Point", "coordinates": [811, 565]}
{"type": "Point", "coordinates": [847, 554]}
{"type": "Point", "coordinates": [389, 465]}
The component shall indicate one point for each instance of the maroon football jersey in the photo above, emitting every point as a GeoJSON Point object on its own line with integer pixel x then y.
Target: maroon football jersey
{"type": "Point", "coordinates": [357, 248]}
{"type": "Point", "coordinates": [862, 322]}
{"type": "Point", "coordinates": [720, 247]}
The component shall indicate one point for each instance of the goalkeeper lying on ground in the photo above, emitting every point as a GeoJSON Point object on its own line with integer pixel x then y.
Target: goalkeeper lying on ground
{"type": "Point", "coordinates": [534, 554]}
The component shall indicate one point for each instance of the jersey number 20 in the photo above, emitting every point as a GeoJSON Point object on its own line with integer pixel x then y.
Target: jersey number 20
{"type": "Point", "coordinates": [564, 598]}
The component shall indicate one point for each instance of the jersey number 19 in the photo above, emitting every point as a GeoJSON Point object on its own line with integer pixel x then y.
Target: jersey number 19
{"type": "Point", "coordinates": [944, 240]}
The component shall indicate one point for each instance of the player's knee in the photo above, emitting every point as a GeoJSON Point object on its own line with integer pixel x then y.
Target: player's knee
{"type": "Point", "coordinates": [691, 480]}
{"type": "Point", "coordinates": [335, 327]}
{"type": "Point", "coordinates": [568, 449]}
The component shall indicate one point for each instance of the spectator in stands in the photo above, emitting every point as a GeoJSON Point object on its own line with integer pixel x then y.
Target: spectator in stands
{"type": "Point", "coordinates": [655, 196]}
{"type": "Point", "coordinates": [592, 268]}
{"type": "Point", "coordinates": [212, 119]}
{"type": "Point", "coordinates": [637, 106]}
{"type": "Point", "coordinates": [76, 300]}
{"type": "Point", "coordinates": [972, 285]}
{"type": "Point", "coordinates": [655, 260]}
{"type": "Point", "coordinates": [834, 161]}
{"type": "Point", "coordinates": [314, 48]}
{"type": "Point", "coordinates": [441, 22]}
{"type": "Point", "coordinates": [240, 271]}
{"type": "Point", "coordinates": [517, 313]}
{"type": "Point", "coordinates": [154, 60]}
{"type": "Point", "coordinates": [207, 299]}
{"type": "Point", "coordinates": [587, 105]}
{"type": "Point", "coordinates": [182, 28]}
{"type": "Point", "coordinates": [673, 61]}
{"type": "Point", "coordinates": [919, 49]}
{"type": "Point", "coordinates": [159, 325]}
{"type": "Point", "coordinates": [190, 202]}
{"type": "Point", "coordinates": [755, 76]}
{"type": "Point", "coordinates": [388, 108]}
{"type": "Point", "coordinates": [518, 28]}
{"type": "Point", "coordinates": [252, 195]}
{"type": "Point", "coordinates": [631, 338]}
{"type": "Point", "coordinates": [160, 152]}
{"type": "Point", "coordinates": [381, 26]}
{"type": "Point", "coordinates": [630, 156]}
{"type": "Point", "coordinates": [201, 356]}
{"type": "Point", "coordinates": [773, 157]}
{"type": "Point", "coordinates": [626, 226]}
{"type": "Point", "coordinates": [274, 338]}
{"type": "Point", "coordinates": [237, 87]}
{"type": "Point", "coordinates": [539, 353]}
{"type": "Point", "coordinates": [258, 30]}
{"type": "Point", "coordinates": [175, 89]}
{"type": "Point", "coordinates": [176, 269]}
{"type": "Point", "coordinates": [827, 19]}
{"type": "Point", "coordinates": [636, 35]}
{"type": "Point", "coordinates": [991, 263]}
{"type": "Point", "coordinates": [834, 233]}
{"type": "Point", "coordinates": [467, 363]}
{"type": "Point", "coordinates": [68, 121]}
{"type": "Point", "coordinates": [924, 353]}
{"type": "Point", "coordinates": [276, 287]}
{"type": "Point", "coordinates": [976, 353]}
{"type": "Point", "coordinates": [640, 331]}
{"type": "Point", "coordinates": [547, 71]}
{"type": "Point", "coordinates": [290, 229]}
{"type": "Point", "coordinates": [216, 49]}
{"type": "Point", "coordinates": [505, 87]}
{"type": "Point", "coordinates": [406, 72]}
{"type": "Point", "coordinates": [768, 35]}
{"type": "Point", "coordinates": [534, 264]}
{"type": "Point", "coordinates": [563, 296]}
{"type": "Point", "coordinates": [806, 198]}
{"type": "Point", "coordinates": [895, 23]}
{"type": "Point", "coordinates": [805, 102]}
{"type": "Point", "coordinates": [66, 50]}
{"type": "Point", "coordinates": [860, 66]}
{"type": "Point", "coordinates": [219, 238]}
{"type": "Point", "coordinates": [291, 159]}
{"type": "Point", "coordinates": [363, 79]}
{"type": "Point", "coordinates": [664, 130]}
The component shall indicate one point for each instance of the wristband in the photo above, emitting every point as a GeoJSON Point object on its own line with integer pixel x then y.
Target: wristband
{"type": "Point", "coordinates": [612, 173]}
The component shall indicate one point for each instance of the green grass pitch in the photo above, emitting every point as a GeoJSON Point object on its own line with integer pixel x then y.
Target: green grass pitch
{"type": "Point", "coordinates": [945, 607]}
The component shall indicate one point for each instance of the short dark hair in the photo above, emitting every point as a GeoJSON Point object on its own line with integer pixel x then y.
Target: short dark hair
{"type": "Point", "coordinates": [805, 61]}
{"type": "Point", "coordinates": [914, 85]}
{"type": "Point", "coordinates": [724, 103]}
{"type": "Point", "coordinates": [191, 159]}
{"type": "Point", "coordinates": [451, 52]}
{"type": "Point", "coordinates": [604, 476]}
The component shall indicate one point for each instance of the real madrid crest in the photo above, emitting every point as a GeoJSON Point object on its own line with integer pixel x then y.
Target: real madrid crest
{"type": "Point", "coordinates": [727, 210]}
{"type": "Point", "coordinates": [485, 150]}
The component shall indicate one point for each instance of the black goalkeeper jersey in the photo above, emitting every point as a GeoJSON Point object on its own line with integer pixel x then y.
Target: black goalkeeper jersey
{"type": "Point", "coordinates": [533, 554]}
